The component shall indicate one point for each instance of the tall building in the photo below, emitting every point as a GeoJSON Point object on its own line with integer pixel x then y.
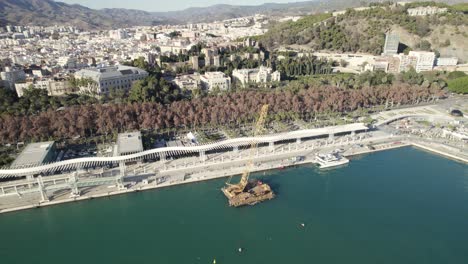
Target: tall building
{"type": "Point", "coordinates": [114, 77]}
{"type": "Point", "coordinates": [211, 80]}
{"type": "Point", "coordinates": [11, 76]}
{"type": "Point", "coordinates": [424, 60]}
{"type": "Point", "coordinates": [392, 41]}
{"type": "Point", "coordinates": [194, 61]}
{"type": "Point", "coordinates": [217, 61]}
{"type": "Point", "coordinates": [118, 34]}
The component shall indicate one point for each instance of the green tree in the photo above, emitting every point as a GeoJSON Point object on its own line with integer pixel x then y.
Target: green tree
{"type": "Point", "coordinates": [446, 43]}
{"type": "Point", "coordinates": [175, 34]}
{"type": "Point", "coordinates": [425, 45]}
{"type": "Point", "coordinates": [459, 85]}
{"type": "Point", "coordinates": [456, 74]}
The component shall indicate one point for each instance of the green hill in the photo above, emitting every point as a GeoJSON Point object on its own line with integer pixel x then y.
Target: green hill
{"type": "Point", "coordinates": [364, 31]}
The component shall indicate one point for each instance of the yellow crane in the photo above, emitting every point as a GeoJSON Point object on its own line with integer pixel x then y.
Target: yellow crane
{"type": "Point", "coordinates": [238, 190]}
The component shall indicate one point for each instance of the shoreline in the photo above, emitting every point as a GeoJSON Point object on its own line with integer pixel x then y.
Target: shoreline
{"type": "Point", "coordinates": [440, 153]}
{"type": "Point", "coordinates": [394, 144]}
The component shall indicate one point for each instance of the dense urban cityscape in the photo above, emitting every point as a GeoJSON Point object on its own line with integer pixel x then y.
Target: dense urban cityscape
{"type": "Point", "coordinates": [96, 111]}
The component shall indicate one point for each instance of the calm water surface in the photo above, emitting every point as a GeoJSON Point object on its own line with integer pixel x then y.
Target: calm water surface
{"type": "Point", "coordinates": [399, 206]}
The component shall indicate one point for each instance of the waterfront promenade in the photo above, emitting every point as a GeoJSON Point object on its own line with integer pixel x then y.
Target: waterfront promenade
{"type": "Point", "coordinates": [94, 177]}
{"type": "Point", "coordinates": [141, 177]}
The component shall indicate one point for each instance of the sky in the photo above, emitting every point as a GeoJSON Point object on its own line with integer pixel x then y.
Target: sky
{"type": "Point", "coordinates": [165, 5]}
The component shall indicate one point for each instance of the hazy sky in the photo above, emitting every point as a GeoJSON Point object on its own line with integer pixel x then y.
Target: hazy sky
{"type": "Point", "coordinates": [165, 5]}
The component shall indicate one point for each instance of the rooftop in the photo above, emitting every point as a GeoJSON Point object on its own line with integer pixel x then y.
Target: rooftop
{"type": "Point", "coordinates": [109, 72]}
{"type": "Point", "coordinates": [33, 154]}
{"type": "Point", "coordinates": [128, 143]}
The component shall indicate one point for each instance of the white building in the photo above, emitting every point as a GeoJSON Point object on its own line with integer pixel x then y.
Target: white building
{"type": "Point", "coordinates": [424, 60]}
{"type": "Point", "coordinates": [174, 49]}
{"type": "Point", "coordinates": [426, 10]}
{"type": "Point", "coordinates": [118, 34]}
{"type": "Point", "coordinates": [37, 73]}
{"type": "Point", "coordinates": [447, 61]}
{"type": "Point", "coordinates": [188, 82]}
{"type": "Point", "coordinates": [195, 63]}
{"type": "Point", "coordinates": [114, 77]}
{"type": "Point", "coordinates": [67, 62]}
{"type": "Point", "coordinates": [260, 75]}
{"type": "Point", "coordinates": [11, 76]}
{"type": "Point", "coordinates": [211, 80]}
{"type": "Point", "coordinates": [380, 66]}
{"type": "Point", "coordinates": [39, 84]}
{"type": "Point", "coordinates": [54, 87]}
{"type": "Point", "coordinates": [406, 62]}
{"type": "Point", "coordinates": [18, 36]}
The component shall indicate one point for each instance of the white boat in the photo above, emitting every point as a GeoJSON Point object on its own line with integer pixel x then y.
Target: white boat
{"type": "Point", "coordinates": [330, 160]}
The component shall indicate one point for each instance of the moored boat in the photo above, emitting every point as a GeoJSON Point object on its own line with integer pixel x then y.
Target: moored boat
{"type": "Point", "coordinates": [330, 160]}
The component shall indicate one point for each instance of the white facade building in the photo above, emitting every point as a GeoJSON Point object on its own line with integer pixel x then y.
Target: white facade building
{"type": "Point", "coordinates": [54, 87]}
{"type": "Point", "coordinates": [174, 49]}
{"type": "Point", "coordinates": [426, 10]}
{"type": "Point", "coordinates": [406, 62]}
{"type": "Point", "coordinates": [211, 80]}
{"type": "Point", "coordinates": [114, 77]}
{"type": "Point", "coordinates": [40, 84]}
{"type": "Point", "coordinates": [118, 34]}
{"type": "Point", "coordinates": [424, 60]}
{"type": "Point", "coordinates": [447, 61]}
{"type": "Point", "coordinates": [260, 75]}
{"type": "Point", "coordinates": [188, 82]}
{"type": "Point", "coordinates": [67, 62]}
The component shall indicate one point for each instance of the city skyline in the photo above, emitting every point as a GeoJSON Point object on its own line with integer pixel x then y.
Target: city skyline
{"type": "Point", "coordinates": [175, 5]}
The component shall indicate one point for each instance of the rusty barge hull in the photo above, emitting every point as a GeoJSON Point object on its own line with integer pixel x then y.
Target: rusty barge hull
{"type": "Point", "coordinates": [257, 194]}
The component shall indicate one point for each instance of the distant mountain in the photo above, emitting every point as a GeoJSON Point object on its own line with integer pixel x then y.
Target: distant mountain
{"type": "Point", "coordinates": [48, 12]}
{"type": "Point", "coordinates": [223, 11]}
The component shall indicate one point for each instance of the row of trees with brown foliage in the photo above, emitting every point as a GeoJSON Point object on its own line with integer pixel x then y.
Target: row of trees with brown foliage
{"type": "Point", "coordinates": [228, 109]}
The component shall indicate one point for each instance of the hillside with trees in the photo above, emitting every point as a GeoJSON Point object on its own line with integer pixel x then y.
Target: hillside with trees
{"type": "Point", "coordinates": [364, 31]}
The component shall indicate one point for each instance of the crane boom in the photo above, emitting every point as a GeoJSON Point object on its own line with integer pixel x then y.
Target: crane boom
{"type": "Point", "coordinates": [259, 126]}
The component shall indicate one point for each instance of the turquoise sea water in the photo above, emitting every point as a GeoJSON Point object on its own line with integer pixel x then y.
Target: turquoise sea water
{"type": "Point", "coordinates": [398, 206]}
